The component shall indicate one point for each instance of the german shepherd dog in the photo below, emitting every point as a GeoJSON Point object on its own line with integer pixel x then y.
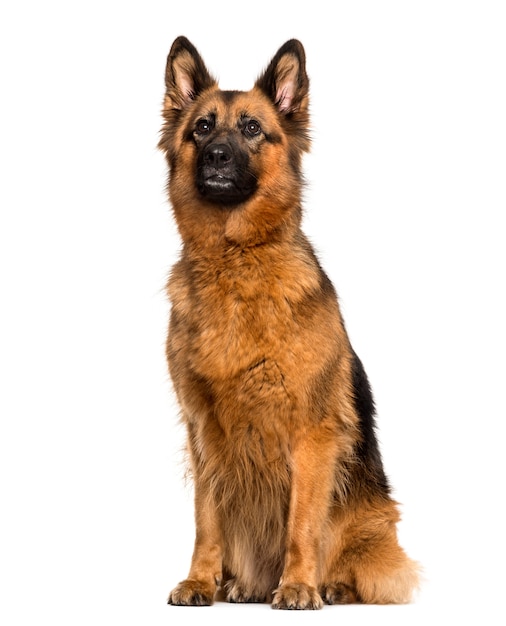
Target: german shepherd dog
{"type": "Point", "coordinates": [292, 505]}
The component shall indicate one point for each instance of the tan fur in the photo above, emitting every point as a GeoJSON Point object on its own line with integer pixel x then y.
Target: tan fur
{"type": "Point", "coordinates": [262, 368]}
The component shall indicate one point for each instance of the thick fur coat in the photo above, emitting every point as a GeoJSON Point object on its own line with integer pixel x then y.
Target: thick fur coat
{"type": "Point", "coordinates": [292, 505]}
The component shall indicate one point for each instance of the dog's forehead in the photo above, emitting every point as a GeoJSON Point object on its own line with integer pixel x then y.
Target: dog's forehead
{"type": "Point", "coordinates": [230, 106]}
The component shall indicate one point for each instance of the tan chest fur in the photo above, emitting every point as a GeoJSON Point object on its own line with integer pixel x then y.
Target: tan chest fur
{"type": "Point", "coordinates": [249, 306]}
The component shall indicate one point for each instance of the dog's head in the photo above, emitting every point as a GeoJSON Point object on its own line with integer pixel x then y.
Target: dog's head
{"type": "Point", "coordinates": [230, 150]}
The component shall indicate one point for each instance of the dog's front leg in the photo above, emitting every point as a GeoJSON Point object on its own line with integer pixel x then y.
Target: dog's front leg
{"type": "Point", "coordinates": [313, 467]}
{"type": "Point", "coordinates": [206, 566]}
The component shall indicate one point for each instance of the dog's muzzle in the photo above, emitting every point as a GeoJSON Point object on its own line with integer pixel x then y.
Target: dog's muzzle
{"type": "Point", "coordinates": [223, 175]}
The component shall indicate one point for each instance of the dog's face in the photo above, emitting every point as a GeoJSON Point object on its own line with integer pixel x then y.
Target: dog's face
{"type": "Point", "coordinates": [229, 138]}
{"type": "Point", "coordinates": [231, 150]}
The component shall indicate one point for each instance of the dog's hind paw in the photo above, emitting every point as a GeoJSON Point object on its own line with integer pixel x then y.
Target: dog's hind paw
{"type": "Point", "coordinates": [339, 593]}
{"type": "Point", "coordinates": [236, 593]}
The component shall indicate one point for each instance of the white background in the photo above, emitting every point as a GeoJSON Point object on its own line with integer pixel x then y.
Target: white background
{"type": "Point", "coordinates": [405, 206]}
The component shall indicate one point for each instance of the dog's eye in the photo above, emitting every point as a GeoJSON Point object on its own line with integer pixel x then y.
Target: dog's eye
{"type": "Point", "coordinates": [252, 128]}
{"type": "Point", "coordinates": [203, 126]}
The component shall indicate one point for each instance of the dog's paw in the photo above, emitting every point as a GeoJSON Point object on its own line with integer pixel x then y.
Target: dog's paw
{"type": "Point", "coordinates": [296, 596]}
{"type": "Point", "coordinates": [339, 593]}
{"type": "Point", "coordinates": [192, 593]}
{"type": "Point", "coordinates": [236, 593]}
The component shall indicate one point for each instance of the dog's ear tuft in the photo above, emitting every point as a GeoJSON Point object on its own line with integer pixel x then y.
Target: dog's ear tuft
{"type": "Point", "coordinates": [285, 80]}
{"type": "Point", "coordinates": [186, 75]}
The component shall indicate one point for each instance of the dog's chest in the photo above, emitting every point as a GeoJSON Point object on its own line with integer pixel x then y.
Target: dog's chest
{"type": "Point", "coordinates": [239, 312]}
{"type": "Point", "coordinates": [240, 323]}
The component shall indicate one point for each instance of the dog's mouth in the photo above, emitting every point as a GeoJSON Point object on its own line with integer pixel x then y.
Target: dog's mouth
{"type": "Point", "coordinates": [223, 189]}
{"type": "Point", "coordinates": [219, 184]}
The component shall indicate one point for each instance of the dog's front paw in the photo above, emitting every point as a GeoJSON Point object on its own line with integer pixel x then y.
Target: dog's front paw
{"type": "Point", "coordinates": [192, 593]}
{"type": "Point", "coordinates": [296, 596]}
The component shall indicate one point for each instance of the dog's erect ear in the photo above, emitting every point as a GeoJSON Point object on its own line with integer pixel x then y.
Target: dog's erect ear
{"type": "Point", "coordinates": [285, 80]}
{"type": "Point", "coordinates": [186, 75]}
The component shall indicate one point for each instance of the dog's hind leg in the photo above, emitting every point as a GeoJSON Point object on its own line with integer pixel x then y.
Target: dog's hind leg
{"type": "Point", "coordinates": [365, 563]}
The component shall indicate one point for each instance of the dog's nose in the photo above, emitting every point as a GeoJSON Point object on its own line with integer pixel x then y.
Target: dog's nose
{"type": "Point", "coordinates": [218, 155]}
